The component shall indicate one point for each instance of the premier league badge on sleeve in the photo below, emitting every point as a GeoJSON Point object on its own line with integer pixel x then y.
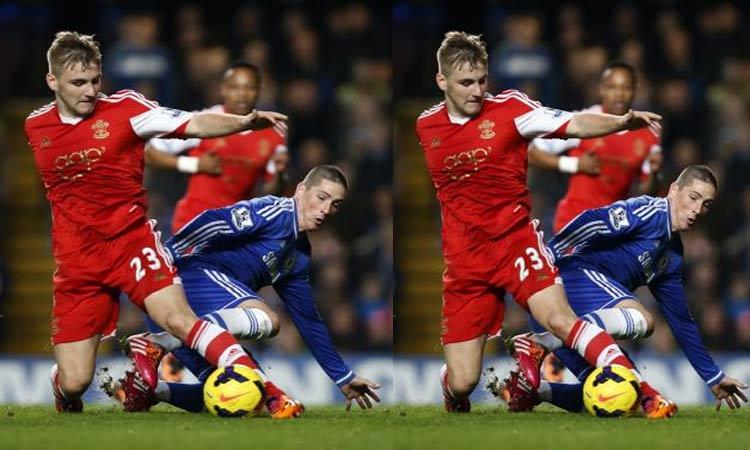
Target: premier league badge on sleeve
{"type": "Point", "coordinates": [241, 218]}
{"type": "Point", "coordinates": [618, 217]}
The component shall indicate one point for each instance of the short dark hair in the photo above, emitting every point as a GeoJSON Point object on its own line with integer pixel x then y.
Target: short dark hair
{"type": "Point", "coordinates": [325, 172]}
{"type": "Point", "coordinates": [618, 64]}
{"type": "Point", "coordinates": [240, 64]}
{"type": "Point", "coordinates": [697, 172]}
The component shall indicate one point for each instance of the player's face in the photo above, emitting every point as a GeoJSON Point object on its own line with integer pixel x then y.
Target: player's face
{"type": "Point", "coordinates": [617, 91]}
{"type": "Point", "coordinates": [240, 90]}
{"type": "Point", "coordinates": [690, 202]}
{"type": "Point", "coordinates": [318, 202]}
{"type": "Point", "coordinates": [76, 89]}
{"type": "Point", "coordinates": [464, 89]}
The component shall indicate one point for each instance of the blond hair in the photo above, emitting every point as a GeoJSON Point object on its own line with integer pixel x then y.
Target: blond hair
{"type": "Point", "coordinates": [460, 48]}
{"type": "Point", "coordinates": [71, 48]}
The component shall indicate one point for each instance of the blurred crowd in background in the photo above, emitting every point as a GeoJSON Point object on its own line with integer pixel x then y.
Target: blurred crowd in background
{"type": "Point", "coordinates": [693, 63]}
{"type": "Point", "coordinates": [327, 66]}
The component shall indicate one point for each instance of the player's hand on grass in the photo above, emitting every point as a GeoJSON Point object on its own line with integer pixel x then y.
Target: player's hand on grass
{"type": "Point", "coordinates": [209, 163]}
{"type": "Point", "coordinates": [640, 119]}
{"type": "Point", "coordinates": [589, 163]}
{"type": "Point", "coordinates": [361, 390]}
{"type": "Point", "coordinates": [729, 390]}
{"type": "Point", "coordinates": [257, 120]}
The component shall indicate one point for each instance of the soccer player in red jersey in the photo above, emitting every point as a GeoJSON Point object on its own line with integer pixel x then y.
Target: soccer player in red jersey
{"type": "Point", "coordinates": [88, 149]}
{"type": "Point", "coordinates": [240, 160]}
{"type": "Point", "coordinates": [475, 146]}
{"type": "Point", "coordinates": [603, 169]}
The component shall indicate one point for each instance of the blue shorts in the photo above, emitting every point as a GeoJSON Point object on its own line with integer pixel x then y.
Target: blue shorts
{"type": "Point", "coordinates": [210, 290]}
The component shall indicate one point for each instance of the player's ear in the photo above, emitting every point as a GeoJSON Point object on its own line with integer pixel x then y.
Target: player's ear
{"type": "Point", "coordinates": [441, 81]}
{"type": "Point", "coordinates": [51, 80]}
{"type": "Point", "coordinates": [300, 189]}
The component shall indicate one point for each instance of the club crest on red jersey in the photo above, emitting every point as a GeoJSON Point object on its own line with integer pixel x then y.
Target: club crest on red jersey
{"type": "Point", "coordinates": [486, 129]}
{"type": "Point", "coordinates": [435, 142]}
{"type": "Point", "coordinates": [100, 129]}
{"type": "Point", "coordinates": [46, 142]}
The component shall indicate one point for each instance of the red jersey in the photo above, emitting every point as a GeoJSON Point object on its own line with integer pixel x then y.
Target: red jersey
{"type": "Point", "coordinates": [623, 157]}
{"type": "Point", "coordinates": [478, 165]}
{"type": "Point", "coordinates": [245, 160]}
{"type": "Point", "coordinates": [92, 167]}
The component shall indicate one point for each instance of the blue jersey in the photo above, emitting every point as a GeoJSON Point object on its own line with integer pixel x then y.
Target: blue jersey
{"type": "Point", "coordinates": [630, 243]}
{"type": "Point", "coordinates": [257, 243]}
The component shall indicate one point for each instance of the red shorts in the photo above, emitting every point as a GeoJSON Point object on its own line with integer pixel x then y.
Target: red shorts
{"type": "Point", "coordinates": [475, 282]}
{"type": "Point", "coordinates": [87, 285]}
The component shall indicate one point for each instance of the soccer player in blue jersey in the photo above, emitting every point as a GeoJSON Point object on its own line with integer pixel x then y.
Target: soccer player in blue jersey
{"type": "Point", "coordinates": [224, 256]}
{"type": "Point", "coordinates": [604, 254]}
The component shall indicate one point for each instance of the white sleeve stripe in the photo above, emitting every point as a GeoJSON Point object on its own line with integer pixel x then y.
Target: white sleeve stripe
{"type": "Point", "coordinates": [432, 110]}
{"type": "Point", "coordinates": [583, 229]}
{"type": "Point", "coordinates": [530, 103]}
{"type": "Point", "coordinates": [716, 377]}
{"type": "Point", "coordinates": [200, 238]}
{"type": "Point", "coordinates": [134, 94]}
{"type": "Point", "coordinates": [141, 100]}
{"type": "Point", "coordinates": [581, 239]}
{"type": "Point", "coordinates": [520, 95]}
{"type": "Point", "coordinates": [350, 373]}
{"type": "Point", "coordinates": [219, 223]}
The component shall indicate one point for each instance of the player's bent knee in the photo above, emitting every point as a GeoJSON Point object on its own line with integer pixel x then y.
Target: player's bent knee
{"type": "Point", "coordinates": [75, 382]}
{"type": "Point", "coordinates": [560, 324]}
{"type": "Point", "coordinates": [179, 324]}
{"type": "Point", "coordinates": [463, 384]}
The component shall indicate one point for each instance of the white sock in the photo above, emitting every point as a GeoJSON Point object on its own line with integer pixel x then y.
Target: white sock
{"type": "Point", "coordinates": [243, 323]}
{"type": "Point", "coordinates": [620, 323]}
{"type": "Point", "coordinates": [162, 391]}
{"type": "Point", "coordinates": [545, 391]}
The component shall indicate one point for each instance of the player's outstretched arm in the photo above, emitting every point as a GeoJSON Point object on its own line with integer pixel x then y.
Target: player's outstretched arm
{"type": "Point", "coordinates": [588, 125]}
{"type": "Point", "coordinates": [360, 390]}
{"type": "Point", "coordinates": [208, 124]}
{"type": "Point", "coordinates": [587, 163]}
{"type": "Point", "coordinates": [208, 162]}
{"type": "Point", "coordinates": [729, 390]}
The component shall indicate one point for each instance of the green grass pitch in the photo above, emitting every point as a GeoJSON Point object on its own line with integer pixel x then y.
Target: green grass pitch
{"type": "Point", "coordinates": [385, 427]}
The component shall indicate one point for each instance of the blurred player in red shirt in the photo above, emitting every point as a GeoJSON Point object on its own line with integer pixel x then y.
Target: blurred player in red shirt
{"type": "Point", "coordinates": [603, 169]}
{"type": "Point", "coordinates": [88, 149]}
{"type": "Point", "coordinates": [225, 169]}
{"type": "Point", "coordinates": [475, 146]}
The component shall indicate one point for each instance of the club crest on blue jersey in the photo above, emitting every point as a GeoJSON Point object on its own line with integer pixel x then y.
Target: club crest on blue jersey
{"type": "Point", "coordinates": [618, 217]}
{"type": "Point", "coordinates": [241, 218]}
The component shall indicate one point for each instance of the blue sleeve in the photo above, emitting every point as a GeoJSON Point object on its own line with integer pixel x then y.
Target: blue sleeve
{"type": "Point", "coordinates": [670, 295]}
{"type": "Point", "coordinates": [298, 300]}
{"type": "Point", "coordinates": [236, 222]}
{"type": "Point", "coordinates": [607, 224]}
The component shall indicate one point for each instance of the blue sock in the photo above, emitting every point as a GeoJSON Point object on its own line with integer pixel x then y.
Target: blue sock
{"type": "Point", "coordinates": [186, 396]}
{"type": "Point", "coordinates": [568, 396]}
